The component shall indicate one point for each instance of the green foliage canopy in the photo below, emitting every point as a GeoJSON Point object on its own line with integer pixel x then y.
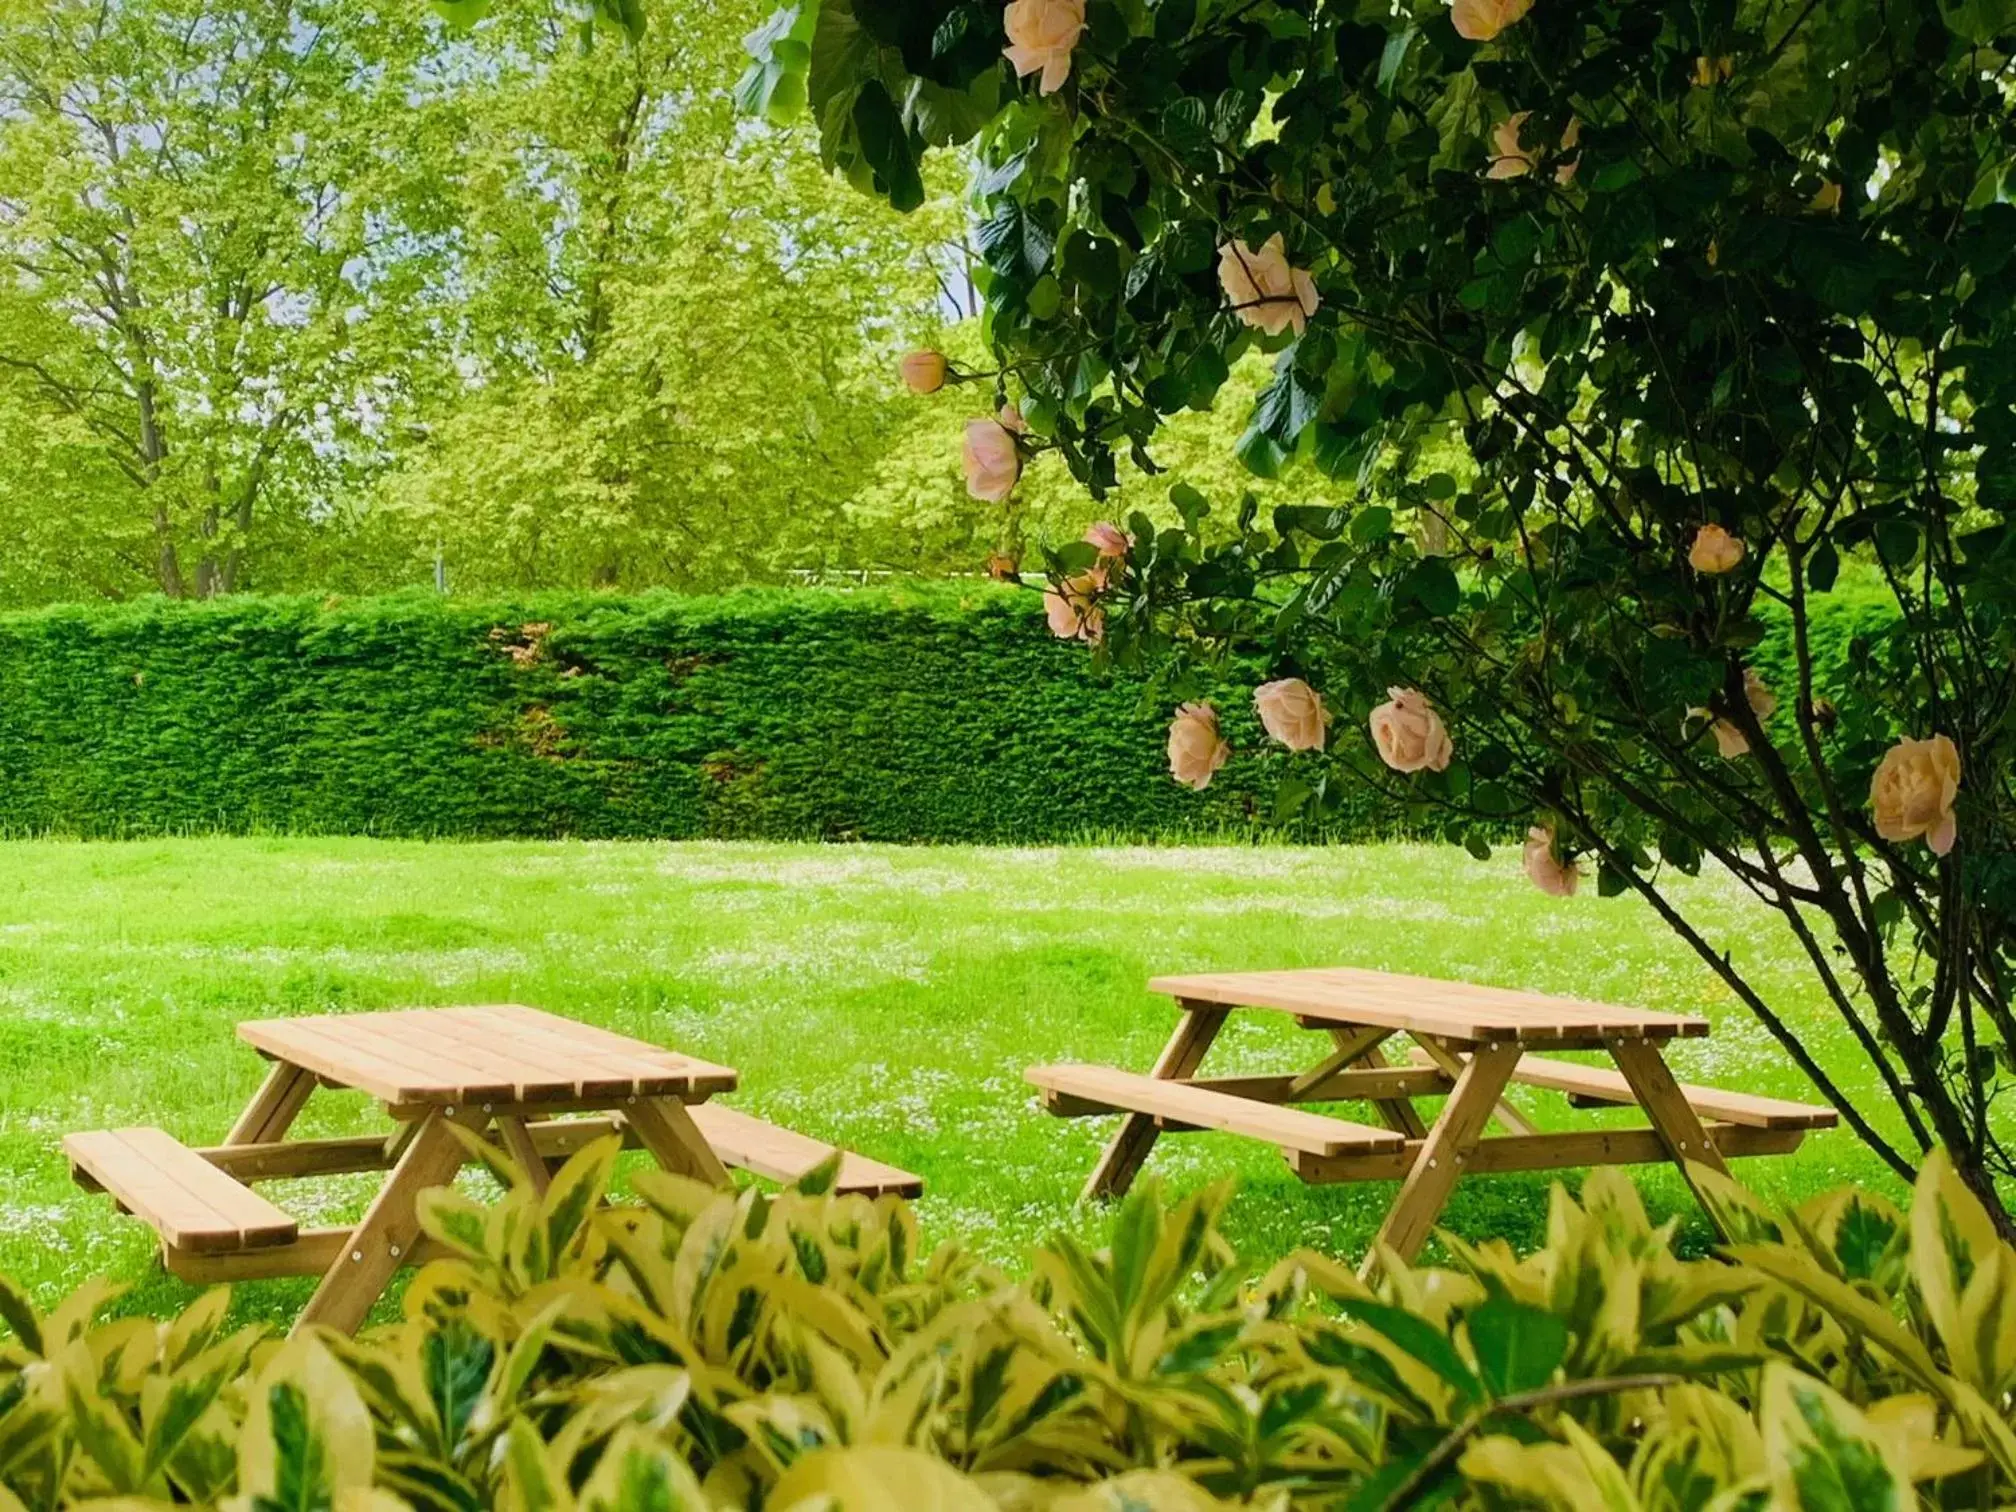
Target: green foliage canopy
{"type": "Point", "coordinates": [1739, 272]}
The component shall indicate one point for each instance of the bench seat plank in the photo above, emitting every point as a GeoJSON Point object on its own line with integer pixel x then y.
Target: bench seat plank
{"type": "Point", "coordinates": [1198, 1107]}
{"type": "Point", "coordinates": [186, 1200]}
{"type": "Point", "coordinates": [748, 1143]}
{"type": "Point", "coordinates": [1601, 1084]}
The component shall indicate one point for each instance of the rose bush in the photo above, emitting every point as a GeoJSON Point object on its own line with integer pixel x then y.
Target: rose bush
{"type": "Point", "coordinates": [1625, 330]}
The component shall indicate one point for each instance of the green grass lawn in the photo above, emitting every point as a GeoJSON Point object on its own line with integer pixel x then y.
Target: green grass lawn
{"type": "Point", "coordinates": [886, 998]}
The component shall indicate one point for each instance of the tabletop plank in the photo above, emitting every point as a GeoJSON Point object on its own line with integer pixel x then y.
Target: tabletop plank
{"type": "Point", "coordinates": [608, 1062]}
{"type": "Point", "coordinates": [1426, 1005]}
{"type": "Point", "coordinates": [493, 1053]}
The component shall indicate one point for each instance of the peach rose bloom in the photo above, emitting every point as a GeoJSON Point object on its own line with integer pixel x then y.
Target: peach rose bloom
{"type": "Point", "coordinates": [1072, 608]}
{"type": "Point", "coordinates": [1196, 750]}
{"type": "Point", "coordinates": [924, 372]}
{"type": "Point", "coordinates": [1555, 878]}
{"type": "Point", "coordinates": [1571, 138]}
{"type": "Point", "coordinates": [992, 463]}
{"type": "Point", "coordinates": [1265, 292]}
{"type": "Point", "coordinates": [1714, 550]}
{"type": "Point", "coordinates": [1826, 199]}
{"type": "Point", "coordinates": [1732, 742]}
{"type": "Point", "coordinates": [1109, 540]}
{"type": "Point", "coordinates": [1010, 418]}
{"type": "Point", "coordinates": [1041, 34]}
{"type": "Point", "coordinates": [1913, 792]}
{"type": "Point", "coordinates": [1763, 702]}
{"type": "Point", "coordinates": [1481, 20]}
{"type": "Point", "coordinates": [1508, 158]}
{"type": "Point", "coordinates": [1293, 713]}
{"type": "Point", "coordinates": [1409, 733]}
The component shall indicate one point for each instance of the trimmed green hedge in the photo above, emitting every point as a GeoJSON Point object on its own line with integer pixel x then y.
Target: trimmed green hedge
{"type": "Point", "coordinates": [910, 714]}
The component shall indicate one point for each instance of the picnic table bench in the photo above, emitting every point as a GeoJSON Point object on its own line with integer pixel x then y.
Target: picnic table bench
{"type": "Point", "coordinates": [1470, 1044]}
{"type": "Point", "coordinates": [541, 1085]}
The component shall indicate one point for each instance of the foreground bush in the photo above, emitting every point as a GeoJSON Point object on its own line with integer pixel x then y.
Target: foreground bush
{"type": "Point", "coordinates": [710, 1350]}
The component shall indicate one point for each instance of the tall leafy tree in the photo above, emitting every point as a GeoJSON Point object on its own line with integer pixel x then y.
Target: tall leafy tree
{"type": "Point", "coordinates": [214, 223]}
{"type": "Point", "coordinates": [677, 340]}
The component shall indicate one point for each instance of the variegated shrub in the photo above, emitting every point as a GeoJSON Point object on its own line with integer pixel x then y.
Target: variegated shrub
{"type": "Point", "coordinates": [703, 1349]}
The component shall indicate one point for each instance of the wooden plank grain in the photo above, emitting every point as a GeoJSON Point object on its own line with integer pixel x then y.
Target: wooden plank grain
{"type": "Point", "coordinates": [1425, 1005]}
{"type": "Point", "coordinates": [1442, 1155]}
{"type": "Point", "coordinates": [606, 1062]}
{"type": "Point", "coordinates": [1127, 1151]}
{"type": "Point", "coordinates": [1158, 1097]}
{"type": "Point", "coordinates": [750, 1144]}
{"type": "Point", "coordinates": [347, 1062]}
{"type": "Point", "coordinates": [1548, 1152]}
{"type": "Point", "coordinates": [176, 1192]}
{"type": "Point", "coordinates": [501, 1053]}
{"type": "Point", "coordinates": [1746, 1109]}
{"type": "Point", "coordinates": [1599, 1084]}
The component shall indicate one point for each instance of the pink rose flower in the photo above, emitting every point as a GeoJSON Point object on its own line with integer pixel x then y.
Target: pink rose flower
{"type": "Point", "coordinates": [1481, 20]}
{"type": "Point", "coordinates": [924, 372]}
{"type": "Point", "coordinates": [1196, 750]}
{"type": "Point", "coordinates": [1041, 35]}
{"type": "Point", "coordinates": [1556, 878]}
{"type": "Point", "coordinates": [1714, 550]}
{"type": "Point", "coordinates": [993, 464]}
{"type": "Point", "coordinates": [1293, 713]}
{"type": "Point", "coordinates": [1265, 292]}
{"type": "Point", "coordinates": [1072, 608]}
{"type": "Point", "coordinates": [1409, 733]}
{"type": "Point", "coordinates": [1010, 418]}
{"type": "Point", "coordinates": [1913, 792]}
{"type": "Point", "coordinates": [1109, 540]}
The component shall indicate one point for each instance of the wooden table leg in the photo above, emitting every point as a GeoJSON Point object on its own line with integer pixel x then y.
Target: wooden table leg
{"type": "Point", "coordinates": [383, 1241]}
{"type": "Point", "coordinates": [272, 1110]}
{"type": "Point", "coordinates": [1451, 1062]}
{"type": "Point", "coordinates": [518, 1140]}
{"type": "Point", "coordinates": [1443, 1153]}
{"type": "Point", "coordinates": [667, 1130]}
{"type": "Point", "coordinates": [1667, 1107]}
{"type": "Point", "coordinates": [1137, 1134]}
{"type": "Point", "coordinates": [1397, 1113]}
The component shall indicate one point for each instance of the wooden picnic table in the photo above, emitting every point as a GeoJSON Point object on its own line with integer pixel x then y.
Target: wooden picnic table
{"type": "Point", "coordinates": [1471, 1044]}
{"type": "Point", "coordinates": [499, 1071]}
